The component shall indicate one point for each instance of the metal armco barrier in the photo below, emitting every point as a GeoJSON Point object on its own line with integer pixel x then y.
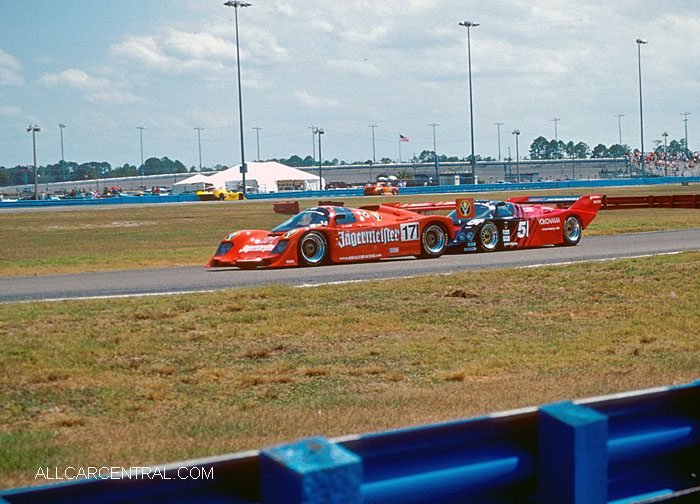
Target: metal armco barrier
{"type": "Point", "coordinates": [342, 193]}
{"type": "Point", "coordinates": [667, 201]}
{"type": "Point", "coordinates": [639, 447]}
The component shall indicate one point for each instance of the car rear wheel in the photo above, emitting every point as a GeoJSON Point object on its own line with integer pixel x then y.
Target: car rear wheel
{"type": "Point", "coordinates": [433, 242]}
{"type": "Point", "coordinates": [488, 237]}
{"type": "Point", "coordinates": [313, 249]}
{"type": "Point", "coordinates": [572, 230]}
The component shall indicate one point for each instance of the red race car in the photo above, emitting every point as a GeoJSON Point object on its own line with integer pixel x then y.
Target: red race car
{"type": "Point", "coordinates": [525, 221]}
{"type": "Point", "coordinates": [337, 234]}
{"type": "Point", "coordinates": [380, 188]}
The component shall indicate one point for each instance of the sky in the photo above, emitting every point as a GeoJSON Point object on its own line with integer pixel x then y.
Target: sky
{"type": "Point", "coordinates": [103, 69]}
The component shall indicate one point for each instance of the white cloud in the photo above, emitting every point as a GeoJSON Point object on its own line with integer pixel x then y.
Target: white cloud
{"type": "Point", "coordinates": [355, 67]}
{"type": "Point", "coordinates": [75, 78]}
{"type": "Point", "coordinates": [10, 111]}
{"type": "Point", "coordinates": [97, 89]}
{"type": "Point", "coordinates": [9, 70]}
{"type": "Point", "coordinates": [316, 101]}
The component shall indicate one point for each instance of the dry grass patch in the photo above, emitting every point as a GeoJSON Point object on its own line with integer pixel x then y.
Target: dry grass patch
{"type": "Point", "coordinates": [218, 381]}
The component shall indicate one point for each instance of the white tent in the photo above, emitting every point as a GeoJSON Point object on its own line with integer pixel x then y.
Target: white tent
{"type": "Point", "coordinates": [195, 183]}
{"type": "Point", "coordinates": [266, 177]}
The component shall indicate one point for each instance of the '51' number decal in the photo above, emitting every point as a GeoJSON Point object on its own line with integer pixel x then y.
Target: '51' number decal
{"type": "Point", "coordinates": [523, 229]}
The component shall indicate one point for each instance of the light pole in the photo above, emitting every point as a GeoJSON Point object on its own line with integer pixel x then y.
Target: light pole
{"type": "Point", "coordinates": [556, 144]}
{"type": "Point", "coordinates": [199, 143]}
{"type": "Point", "coordinates": [437, 173]}
{"type": "Point", "coordinates": [665, 135]}
{"type": "Point", "coordinates": [498, 125]}
{"type": "Point", "coordinates": [236, 4]}
{"type": "Point", "coordinates": [685, 120]}
{"type": "Point", "coordinates": [374, 152]}
{"type": "Point", "coordinates": [257, 138]}
{"type": "Point", "coordinates": [517, 154]}
{"type": "Point", "coordinates": [619, 130]}
{"type": "Point", "coordinates": [313, 141]}
{"type": "Point", "coordinates": [320, 165]}
{"type": "Point", "coordinates": [63, 162]}
{"type": "Point", "coordinates": [641, 115]}
{"type": "Point", "coordinates": [468, 25]}
{"type": "Point", "coordinates": [143, 168]}
{"type": "Point", "coordinates": [34, 129]}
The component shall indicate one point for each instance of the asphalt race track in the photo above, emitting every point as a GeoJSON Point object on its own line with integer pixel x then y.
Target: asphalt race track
{"type": "Point", "coordinates": [199, 278]}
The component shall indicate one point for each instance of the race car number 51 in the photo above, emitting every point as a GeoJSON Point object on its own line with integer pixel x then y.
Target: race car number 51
{"type": "Point", "coordinates": [409, 231]}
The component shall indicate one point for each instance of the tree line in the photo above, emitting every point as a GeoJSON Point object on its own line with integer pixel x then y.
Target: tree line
{"type": "Point", "coordinates": [71, 171]}
{"type": "Point", "coordinates": [540, 149]}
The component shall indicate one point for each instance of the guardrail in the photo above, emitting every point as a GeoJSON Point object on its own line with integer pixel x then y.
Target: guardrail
{"type": "Point", "coordinates": [635, 447]}
{"type": "Point", "coordinates": [667, 201]}
{"type": "Point", "coordinates": [340, 193]}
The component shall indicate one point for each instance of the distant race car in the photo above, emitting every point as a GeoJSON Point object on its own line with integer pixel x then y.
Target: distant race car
{"type": "Point", "coordinates": [379, 188]}
{"type": "Point", "coordinates": [516, 223]}
{"type": "Point", "coordinates": [334, 234]}
{"type": "Point", "coordinates": [213, 194]}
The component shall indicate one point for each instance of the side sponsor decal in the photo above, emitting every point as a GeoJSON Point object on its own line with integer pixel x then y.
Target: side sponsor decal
{"type": "Point", "coordinates": [257, 248]}
{"type": "Point", "coordinates": [465, 208]}
{"type": "Point", "coordinates": [554, 223]}
{"type": "Point", "coordinates": [369, 237]}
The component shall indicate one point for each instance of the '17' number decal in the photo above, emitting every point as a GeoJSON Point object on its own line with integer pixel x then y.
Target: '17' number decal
{"type": "Point", "coordinates": [409, 232]}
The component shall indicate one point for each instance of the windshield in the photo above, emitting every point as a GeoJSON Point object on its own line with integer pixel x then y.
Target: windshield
{"type": "Point", "coordinates": [481, 211]}
{"type": "Point", "coordinates": [311, 217]}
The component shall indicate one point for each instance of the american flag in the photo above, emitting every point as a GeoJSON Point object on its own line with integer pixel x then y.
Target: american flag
{"type": "Point", "coordinates": [403, 138]}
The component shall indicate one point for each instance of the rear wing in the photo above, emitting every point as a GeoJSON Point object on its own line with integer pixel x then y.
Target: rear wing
{"type": "Point", "coordinates": [590, 203]}
{"type": "Point", "coordinates": [424, 207]}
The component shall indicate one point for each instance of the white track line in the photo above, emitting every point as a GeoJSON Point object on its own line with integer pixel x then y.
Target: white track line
{"type": "Point", "coordinates": [339, 282]}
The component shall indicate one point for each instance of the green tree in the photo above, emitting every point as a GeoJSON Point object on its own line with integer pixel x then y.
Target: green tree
{"type": "Point", "coordinates": [4, 177]}
{"type": "Point", "coordinates": [582, 150]}
{"type": "Point", "coordinates": [539, 148]}
{"type": "Point", "coordinates": [600, 151]}
{"type": "Point", "coordinates": [617, 150]}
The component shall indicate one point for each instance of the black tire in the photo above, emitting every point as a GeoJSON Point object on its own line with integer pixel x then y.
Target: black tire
{"type": "Point", "coordinates": [313, 249]}
{"type": "Point", "coordinates": [221, 197]}
{"type": "Point", "coordinates": [572, 230]}
{"type": "Point", "coordinates": [487, 239]}
{"type": "Point", "coordinates": [433, 241]}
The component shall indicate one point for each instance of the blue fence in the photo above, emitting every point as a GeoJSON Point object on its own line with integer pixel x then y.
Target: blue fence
{"type": "Point", "coordinates": [341, 193]}
{"type": "Point", "coordinates": [636, 447]}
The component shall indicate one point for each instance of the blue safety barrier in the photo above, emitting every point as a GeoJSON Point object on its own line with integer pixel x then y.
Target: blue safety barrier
{"type": "Point", "coordinates": [346, 193]}
{"type": "Point", "coordinates": [635, 447]}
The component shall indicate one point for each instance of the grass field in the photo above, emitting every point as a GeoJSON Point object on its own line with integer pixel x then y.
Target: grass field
{"type": "Point", "coordinates": [143, 381]}
{"type": "Point", "coordinates": [98, 239]}
{"type": "Point", "coordinates": [152, 380]}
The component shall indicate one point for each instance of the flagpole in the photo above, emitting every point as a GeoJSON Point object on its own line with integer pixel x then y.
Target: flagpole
{"type": "Point", "coordinates": [399, 147]}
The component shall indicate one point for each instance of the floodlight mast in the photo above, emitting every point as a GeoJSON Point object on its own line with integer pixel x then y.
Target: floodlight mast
{"type": "Point", "coordinates": [468, 25]}
{"type": "Point", "coordinates": [34, 129]}
{"type": "Point", "coordinates": [641, 115]}
{"type": "Point", "coordinates": [236, 4]}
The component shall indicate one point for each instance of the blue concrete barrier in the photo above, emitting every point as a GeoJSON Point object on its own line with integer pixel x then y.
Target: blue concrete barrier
{"type": "Point", "coordinates": [636, 447]}
{"type": "Point", "coordinates": [346, 193]}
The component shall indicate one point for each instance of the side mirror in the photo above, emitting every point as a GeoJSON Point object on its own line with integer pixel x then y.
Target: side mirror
{"type": "Point", "coordinates": [340, 217]}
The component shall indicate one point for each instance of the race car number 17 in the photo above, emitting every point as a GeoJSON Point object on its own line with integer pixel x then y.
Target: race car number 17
{"type": "Point", "coordinates": [409, 231]}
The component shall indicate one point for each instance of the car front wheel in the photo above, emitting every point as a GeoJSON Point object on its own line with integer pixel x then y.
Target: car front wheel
{"type": "Point", "coordinates": [488, 237]}
{"type": "Point", "coordinates": [313, 249]}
